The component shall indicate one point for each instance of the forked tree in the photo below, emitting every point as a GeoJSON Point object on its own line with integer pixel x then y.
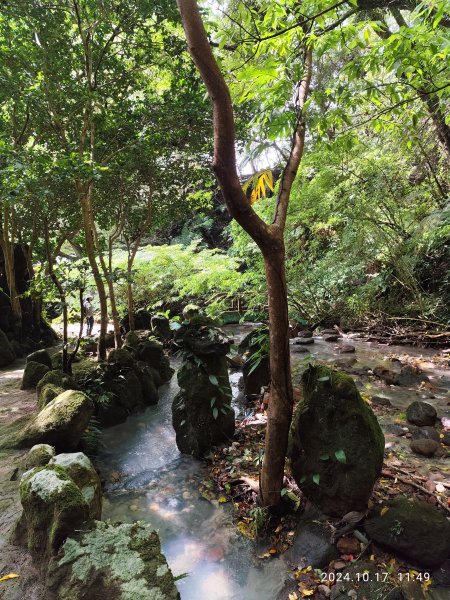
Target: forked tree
{"type": "Point", "coordinates": [268, 236]}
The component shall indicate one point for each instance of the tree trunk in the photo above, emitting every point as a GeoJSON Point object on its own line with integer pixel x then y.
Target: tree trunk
{"type": "Point", "coordinates": [130, 298]}
{"type": "Point", "coordinates": [268, 237]}
{"type": "Point", "coordinates": [7, 241]}
{"type": "Point", "coordinates": [90, 252]}
{"type": "Point", "coordinates": [279, 414]}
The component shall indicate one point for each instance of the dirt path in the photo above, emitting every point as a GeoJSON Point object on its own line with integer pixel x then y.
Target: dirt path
{"type": "Point", "coordinates": [14, 404]}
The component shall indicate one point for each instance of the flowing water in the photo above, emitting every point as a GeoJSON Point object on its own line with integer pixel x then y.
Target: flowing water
{"type": "Point", "coordinates": [148, 479]}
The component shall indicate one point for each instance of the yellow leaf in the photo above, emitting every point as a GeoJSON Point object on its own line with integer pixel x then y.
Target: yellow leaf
{"type": "Point", "coordinates": [9, 576]}
{"type": "Point", "coordinates": [384, 510]}
{"type": "Point", "coordinates": [222, 499]}
{"type": "Point", "coordinates": [307, 593]}
{"type": "Point", "coordinates": [272, 551]}
{"type": "Point", "coordinates": [293, 596]}
{"type": "Point", "coordinates": [372, 557]}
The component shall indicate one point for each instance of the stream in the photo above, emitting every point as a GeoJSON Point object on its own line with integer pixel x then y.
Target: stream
{"type": "Point", "coordinates": [147, 479]}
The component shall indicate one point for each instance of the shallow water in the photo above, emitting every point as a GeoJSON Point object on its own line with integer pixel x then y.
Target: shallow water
{"type": "Point", "coordinates": [148, 479]}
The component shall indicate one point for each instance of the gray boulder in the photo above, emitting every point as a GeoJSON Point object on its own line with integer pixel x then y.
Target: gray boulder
{"type": "Point", "coordinates": [39, 456]}
{"type": "Point", "coordinates": [61, 423]}
{"type": "Point", "coordinates": [42, 357]}
{"type": "Point", "coordinates": [336, 446]}
{"type": "Point", "coordinates": [412, 529]}
{"type": "Point", "coordinates": [53, 507]}
{"type": "Point", "coordinates": [32, 374]}
{"type": "Point", "coordinates": [52, 384]}
{"type": "Point", "coordinates": [161, 328]}
{"type": "Point", "coordinates": [202, 415]}
{"type": "Point", "coordinates": [80, 469]}
{"type": "Point", "coordinates": [116, 561]}
{"type": "Point", "coordinates": [421, 413]}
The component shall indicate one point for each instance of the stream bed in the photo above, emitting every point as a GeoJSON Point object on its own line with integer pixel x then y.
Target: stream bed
{"type": "Point", "coordinates": [147, 479]}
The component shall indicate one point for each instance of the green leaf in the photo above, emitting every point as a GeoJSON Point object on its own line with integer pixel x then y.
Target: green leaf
{"type": "Point", "coordinates": [340, 455]}
{"type": "Point", "coordinates": [215, 412]}
{"type": "Point", "coordinates": [316, 478]}
{"type": "Point", "coordinates": [326, 378]}
{"type": "Point", "coordinates": [213, 379]}
{"type": "Point", "coordinates": [324, 457]}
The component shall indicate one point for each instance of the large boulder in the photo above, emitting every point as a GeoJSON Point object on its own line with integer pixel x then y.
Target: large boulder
{"type": "Point", "coordinates": [7, 355]}
{"type": "Point", "coordinates": [53, 507]}
{"type": "Point", "coordinates": [32, 374]}
{"type": "Point", "coordinates": [202, 415]}
{"type": "Point", "coordinates": [39, 456]}
{"type": "Point", "coordinates": [80, 469]}
{"type": "Point", "coordinates": [61, 423]}
{"type": "Point", "coordinates": [421, 413]}
{"type": "Point", "coordinates": [336, 445]}
{"type": "Point", "coordinates": [161, 328]}
{"type": "Point", "coordinates": [42, 357]}
{"type": "Point", "coordinates": [52, 384]}
{"type": "Point", "coordinates": [152, 353]}
{"type": "Point", "coordinates": [116, 561]}
{"type": "Point", "coordinates": [412, 529]}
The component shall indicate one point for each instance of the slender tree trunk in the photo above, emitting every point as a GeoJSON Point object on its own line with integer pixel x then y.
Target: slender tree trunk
{"type": "Point", "coordinates": [130, 300]}
{"type": "Point", "coordinates": [62, 297]}
{"type": "Point", "coordinates": [74, 352]}
{"type": "Point", "coordinates": [91, 254]}
{"type": "Point", "coordinates": [7, 241]}
{"type": "Point", "coordinates": [268, 237]}
{"type": "Point", "coordinates": [279, 414]}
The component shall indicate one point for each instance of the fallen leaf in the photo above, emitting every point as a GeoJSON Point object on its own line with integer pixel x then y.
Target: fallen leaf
{"type": "Point", "coordinates": [384, 510]}
{"type": "Point", "coordinates": [293, 596]}
{"type": "Point", "coordinates": [222, 499]}
{"type": "Point", "coordinates": [306, 593]}
{"type": "Point", "coordinates": [9, 576]}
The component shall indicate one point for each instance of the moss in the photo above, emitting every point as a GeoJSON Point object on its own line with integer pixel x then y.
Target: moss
{"type": "Point", "coordinates": [128, 558]}
{"type": "Point", "coordinates": [61, 423]}
{"type": "Point", "coordinates": [39, 456]}
{"type": "Point", "coordinates": [49, 393]}
{"type": "Point", "coordinates": [336, 445]}
{"type": "Point", "coordinates": [53, 507]}
{"type": "Point", "coordinates": [32, 374]}
{"type": "Point", "coordinates": [81, 470]}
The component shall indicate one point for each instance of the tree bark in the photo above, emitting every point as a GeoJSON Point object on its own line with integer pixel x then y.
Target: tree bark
{"type": "Point", "coordinates": [268, 237]}
{"type": "Point", "coordinates": [7, 242]}
{"type": "Point", "coordinates": [279, 414]}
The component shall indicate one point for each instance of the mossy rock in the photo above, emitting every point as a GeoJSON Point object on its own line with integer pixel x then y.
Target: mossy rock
{"type": "Point", "coordinates": [336, 446]}
{"type": "Point", "coordinates": [132, 339]}
{"type": "Point", "coordinates": [412, 529]}
{"type": "Point", "coordinates": [32, 374]}
{"type": "Point", "coordinates": [61, 423]}
{"type": "Point", "coordinates": [202, 415]}
{"type": "Point", "coordinates": [49, 393]}
{"type": "Point", "coordinates": [152, 353]}
{"type": "Point", "coordinates": [149, 388]}
{"type": "Point", "coordinates": [59, 380]}
{"type": "Point", "coordinates": [121, 357]}
{"type": "Point", "coordinates": [53, 508]}
{"type": "Point", "coordinates": [161, 328]}
{"type": "Point", "coordinates": [39, 456]}
{"type": "Point", "coordinates": [114, 561]}
{"type": "Point", "coordinates": [81, 470]}
{"type": "Point", "coordinates": [42, 357]}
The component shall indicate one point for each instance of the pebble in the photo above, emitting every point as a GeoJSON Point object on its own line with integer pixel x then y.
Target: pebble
{"type": "Point", "coordinates": [325, 590]}
{"type": "Point", "coordinates": [424, 446]}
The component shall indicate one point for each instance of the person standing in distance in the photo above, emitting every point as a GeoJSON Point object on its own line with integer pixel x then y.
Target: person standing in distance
{"type": "Point", "coordinates": [89, 313]}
